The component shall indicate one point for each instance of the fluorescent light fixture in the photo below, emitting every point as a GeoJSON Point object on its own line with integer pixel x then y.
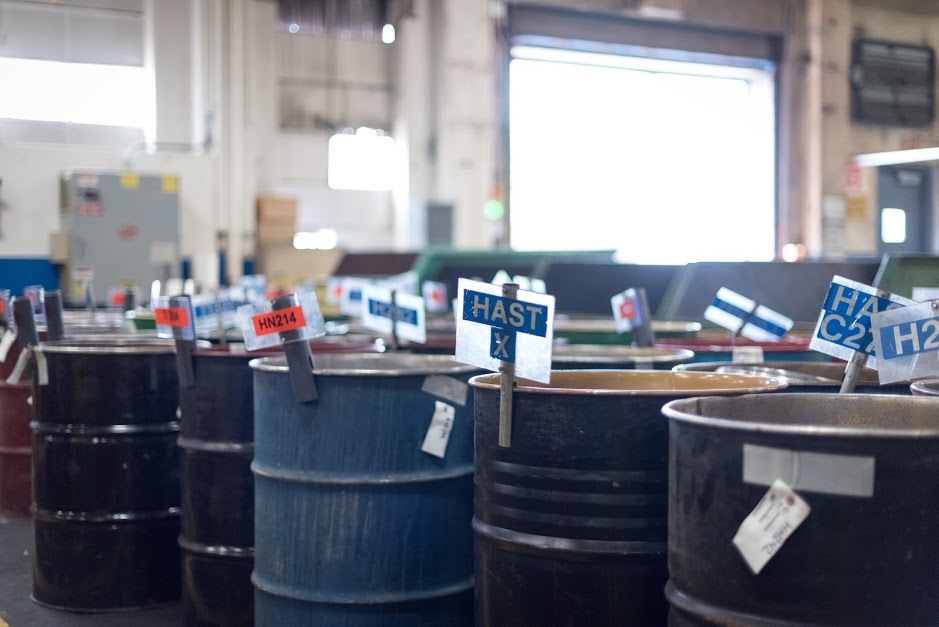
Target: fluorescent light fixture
{"type": "Point", "coordinates": [895, 157]}
{"type": "Point", "coordinates": [388, 34]}
{"type": "Point", "coordinates": [294, 27]}
{"type": "Point", "coordinates": [893, 225]}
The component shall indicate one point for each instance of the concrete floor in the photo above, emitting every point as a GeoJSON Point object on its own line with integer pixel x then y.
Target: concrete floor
{"type": "Point", "coordinates": [16, 608]}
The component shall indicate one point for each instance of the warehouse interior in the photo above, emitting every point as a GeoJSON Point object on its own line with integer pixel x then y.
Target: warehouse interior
{"type": "Point", "coordinates": [223, 221]}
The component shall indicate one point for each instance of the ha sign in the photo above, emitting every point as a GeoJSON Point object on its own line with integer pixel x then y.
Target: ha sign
{"type": "Point", "coordinates": [844, 324]}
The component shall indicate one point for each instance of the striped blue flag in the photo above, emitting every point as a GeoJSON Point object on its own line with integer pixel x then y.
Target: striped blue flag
{"type": "Point", "coordinates": [744, 316]}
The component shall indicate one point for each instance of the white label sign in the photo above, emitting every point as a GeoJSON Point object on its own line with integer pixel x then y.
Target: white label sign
{"type": "Point", "coordinates": [742, 315]}
{"type": "Point", "coordinates": [435, 296]}
{"type": "Point", "coordinates": [438, 433]}
{"type": "Point", "coordinates": [334, 291]}
{"type": "Point", "coordinates": [626, 310]}
{"type": "Point", "coordinates": [350, 301]}
{"type": "Point", "coordinates": [492, 329]}
{"type": "Point", "coordinates": [907, 341]}
{"type": "Point", "coordinates": [922, 294]}
{"type": "Point", "coordinates": [262, 325]}
{"type": "Point", "coordinates": [844, 324]}
{"type": "Point", "coordinates": [747, 354]}
{"type": "Point", "coordinates": [407, 313]}
{"type": "Point", "coordinates": [776, 517]}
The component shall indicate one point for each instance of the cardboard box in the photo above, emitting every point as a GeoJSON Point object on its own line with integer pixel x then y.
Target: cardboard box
{"type": "Point", "coordinates": [276, 232]}
{"type": "Point", "coordinates": [58, 247]}
{"type": "Point", "coordinates": [277, 208]}
{"type": "Point", "coordinates": [287, 266]}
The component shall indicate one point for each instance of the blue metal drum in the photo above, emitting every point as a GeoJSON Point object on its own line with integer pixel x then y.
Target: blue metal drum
{"type": "Point", "coordinates": [356, 525]}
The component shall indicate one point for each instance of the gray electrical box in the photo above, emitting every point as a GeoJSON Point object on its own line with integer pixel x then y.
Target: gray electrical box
{"type": "Point", "coordinates": [122, 226]}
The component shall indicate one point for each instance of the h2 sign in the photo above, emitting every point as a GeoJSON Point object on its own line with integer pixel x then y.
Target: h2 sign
{"type": "Point", "coordinates": [844, 325]}
{"type": "Point", "coordinates": [907, 341]}
{"type": "Point", "coordinates": [493, 329]}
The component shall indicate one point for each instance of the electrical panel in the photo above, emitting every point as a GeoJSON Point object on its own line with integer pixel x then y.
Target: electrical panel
{"type": "Point", "coordinates": [120, 228]}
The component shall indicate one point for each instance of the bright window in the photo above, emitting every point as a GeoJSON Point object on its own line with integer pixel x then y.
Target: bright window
{"type": "Point", "coordinates": [361, 161]}
{"type": "Point", "coordinates": [664, 162]}
{"type": "Point", "coordinates": [80, 93]}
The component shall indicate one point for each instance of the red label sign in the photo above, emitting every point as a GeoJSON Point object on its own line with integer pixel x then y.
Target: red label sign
{"type": "Point", "coordinates": [172, 316]}
{"type": "Point", "coordinates": [289, 319]}
{"type": "Point", "coordinates": [3, 306]}
{"type": "Point", "coordinates": [627, 309]}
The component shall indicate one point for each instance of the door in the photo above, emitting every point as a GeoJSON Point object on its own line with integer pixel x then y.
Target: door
{"type": "Point", "coordinates": [904, 196]}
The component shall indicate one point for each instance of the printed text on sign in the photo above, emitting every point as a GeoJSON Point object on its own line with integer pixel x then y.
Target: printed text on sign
{"type": "Point", "coordinates": [847, 315]}
{"type": "Point", "coordinates": [171, 316]}
{"type": "Point", "coordinates": [289, 319]}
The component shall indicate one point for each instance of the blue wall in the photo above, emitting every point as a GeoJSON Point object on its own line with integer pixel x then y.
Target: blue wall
{"type": "Point", "coordinates": [18, 272]}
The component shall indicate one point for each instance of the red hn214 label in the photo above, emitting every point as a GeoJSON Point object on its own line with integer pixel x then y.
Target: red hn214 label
{"type": "Point", "coordinates": [289, 319]}
{"type": "Point", "coordinates": [171, 316]}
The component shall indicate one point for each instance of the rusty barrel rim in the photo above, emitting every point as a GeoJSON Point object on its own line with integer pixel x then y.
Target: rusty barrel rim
{"type": "Point", "coordinates": [371, 365]}
{"type": "Point", "coordinates": [612, 354]}
{"type": "Point", "coordinates": [636, 383]}
{"type": "Point", "coordinates": [831, 370]}
{"type": "Point", "coordinates": [110, 345]}
{"type": "Point", "coordinates": [926, 387]}
{"type": "Point", "coordinates": [705, 412]}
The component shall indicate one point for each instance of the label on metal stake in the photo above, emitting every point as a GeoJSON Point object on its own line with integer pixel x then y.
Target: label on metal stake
{"type": "Point", "coordinates": [42, 367]}
{"type": "Point", "coordinates": [776, 517]}
{"type": "Point", "coordinates": [262, 325]}
{"type": "Point", "coordinates": [5, 343]}
{"type": "Point", "coordinates": [742, 315]}
{"type": "Point", "coordinates": [438, 433]}
{"type": "Point", "coordinates": [407, 315]}
{"type": "Point", "coordinates": [907, 341]}
{"type": "Point", "coordinates": [626, 311]}
{"type": "Point", "coordinates": [19, 368]}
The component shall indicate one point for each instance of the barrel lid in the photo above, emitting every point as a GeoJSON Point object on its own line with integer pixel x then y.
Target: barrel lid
{"type": "Point", "coordinates": [833, 371]}
{"type": "Point", "coordinates": [371, 365]}
{"type": "Point", "coordinates": [590, 353]}
{"type": "Point", "coordinates": [636, 383]}
{"type": "Point", "coordinates": [812, 414]}
{"type": "Point", "coordinates": [111, 344]}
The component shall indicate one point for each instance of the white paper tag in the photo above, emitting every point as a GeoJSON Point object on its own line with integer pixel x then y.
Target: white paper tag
{"type": "Point", "coordinates": [776, 517]}
{"type": "Point", "coordinates": [6, 342]}
{"type": "Point", "coordinates": [448, 388]}
{"type": "Point", "coordinates": [438, 433]}
{"type": "Point", "coordinates": [19, 368]}
{"type": "Point", "coordinates": [42, 367]}
{"type": "Point", "coordinates": [29, 399]}
{"type": "Point", "coordinates": [748, 354]}
{"type": "Point", "coordinates": [407, 315]}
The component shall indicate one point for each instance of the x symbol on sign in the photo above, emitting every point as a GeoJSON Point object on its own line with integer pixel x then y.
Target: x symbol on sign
{"type": "Point", "coordinates": [627, 309]}
{"type": "Point", "coordinates": [500, 352]}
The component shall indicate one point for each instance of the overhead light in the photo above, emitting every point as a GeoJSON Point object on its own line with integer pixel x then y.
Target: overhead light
{"type": "Point", "coordinates": [294, 27]}
{"type": "Point", "coordinates": [388, 34]}
{"type": "Point", "coordinates": [895, 157]}
{"type": "Point", "coordinates": [323, 239]}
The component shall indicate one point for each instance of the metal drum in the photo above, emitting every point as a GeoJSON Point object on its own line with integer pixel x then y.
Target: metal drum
{"type": "Point", "coordinates": [355, 524]}
{"type": "Point", "coordinates": [804, 376]}
{"type": "Point", "coordinates": [106, 475]}
{"type": "Point", "coordinates": [867, 467]}
{"type": "Point", "coordinates": [717, 346]}
{"type": "Point", "coordinates": [602, 357]}
{"type": "Point", "coordinates": [15, 449]}
{"type": "Point", "coordinates": [217, 442]}
{"type": "Point", "coordinates": [570, 521]}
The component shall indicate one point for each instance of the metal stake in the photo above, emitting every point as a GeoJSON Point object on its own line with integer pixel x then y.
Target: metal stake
{"type": "Point", "coordinates": [299, 355]}
{"type": "Point", "coordinates": [643, 334]}
{"type": "Point", "coordinates": [55, 327]}
{"type": "Point", "coordinates": [184, 348]}
{"type": "Point", "coordinates": [855, 367]}
{"type": "Point", "coordinates": [395, 345]}
{"type": "Point", "coordinates": [509, 290]}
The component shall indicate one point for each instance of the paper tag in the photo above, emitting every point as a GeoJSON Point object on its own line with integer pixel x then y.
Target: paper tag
{"type": "Point", "coordinates": [907, 341]}
{"type": "Point", "coordinates": [844, 324]}
{"type": "Point", "coordinates": [407, 315]}
{"type": "Point", "coordinates": [309, 311]}
{"type": "Point", "coordinates": [438, 433]}
{"type": "Point", "coordinates": [922, 294]}
{"type": "Point", "coordinates": [492, 329]}
{"type": "Point", "coordinates": [6, 342]}
{"type": "Point", "coordinates": [42, 367]}
{"type": "Point", "coordinates": [776, 517]}
{"type": "Point", "coordinates": [744, 316]}
{"type": "Point", "coordinates": [20, 367]}
{"type": "Point", "coordinates": [748, 354]}
{"type": "Point", "coordinates": [435, 296]}
{"type": "Point", "coordinates": [626, 310]}
{"type": "Point", "coordinates": [447, 388]}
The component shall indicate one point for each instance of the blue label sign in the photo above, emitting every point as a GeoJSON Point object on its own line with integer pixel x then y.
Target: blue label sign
{"type": "Point", "coordinates": [505, 313]}
{"type": "Point", "coordinates": [385, 310]}
{"type": "Point", "coordinates": [909, 338]}
{"type": "Point", "coordinates": [846, 319]}
{"type": "Point", "coordinates": [502, 345]}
